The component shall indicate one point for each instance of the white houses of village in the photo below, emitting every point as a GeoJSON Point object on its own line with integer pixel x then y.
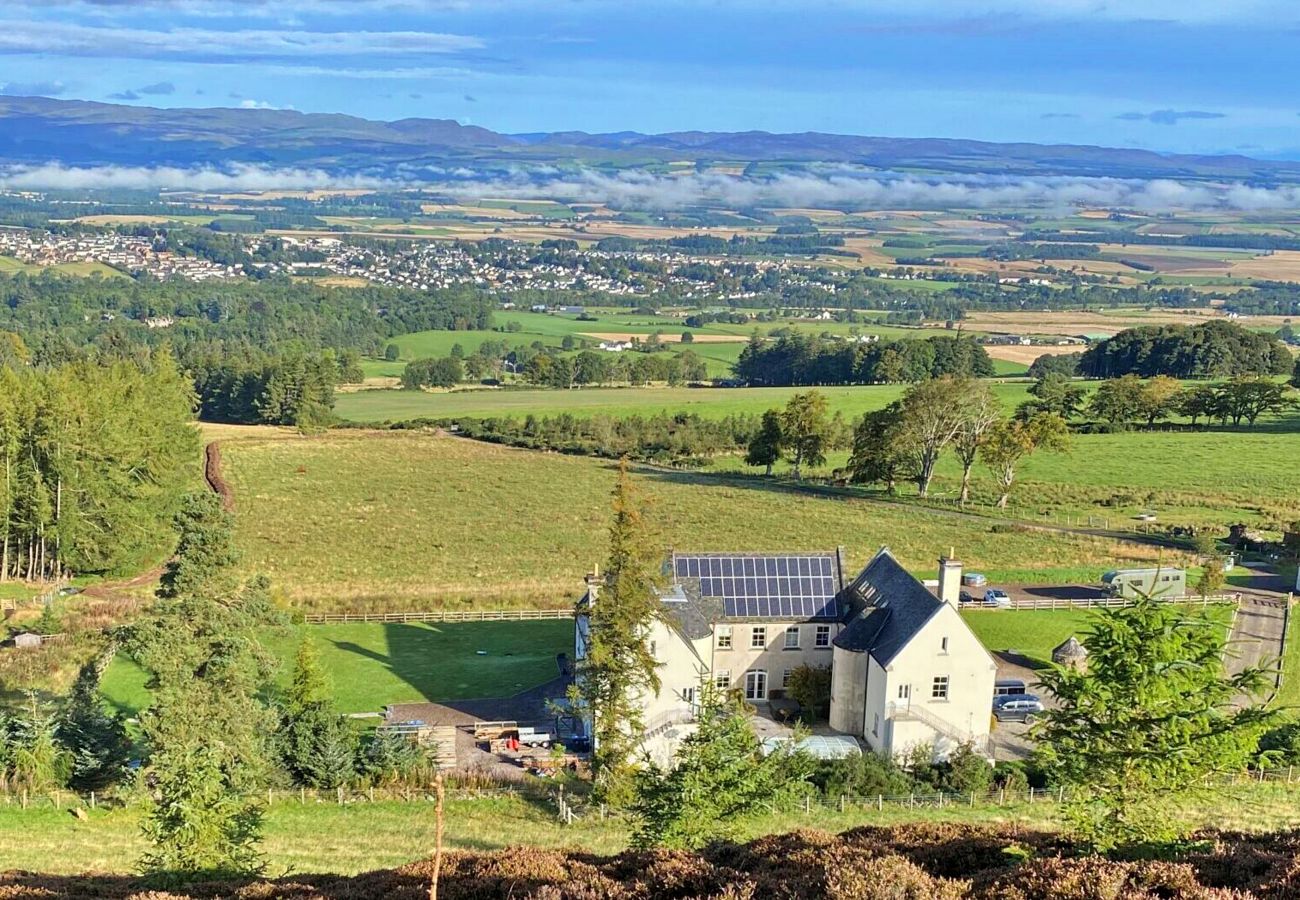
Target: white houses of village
{"type": "Point", "coordinates": [905, 669]}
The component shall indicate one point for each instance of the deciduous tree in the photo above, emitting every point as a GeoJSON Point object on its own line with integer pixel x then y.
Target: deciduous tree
{"type": "Point", "coordinates": [805, 430]}
{"type": "Point", "coordinates": [765, 447]}
{"type": "Point", "coordinates": [1010, 442]}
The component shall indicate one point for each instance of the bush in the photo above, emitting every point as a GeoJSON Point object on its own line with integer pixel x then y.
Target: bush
{"type": "Point", "coordinates": [867, 775]}
{"type": "Point", "coordinates": [965, 772]}
{"type": "Point", "coordinates": [810, 687]}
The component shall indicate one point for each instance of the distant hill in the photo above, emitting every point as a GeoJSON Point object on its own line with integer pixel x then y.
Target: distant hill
{"type": "Point", "coordinates": [73, 132]}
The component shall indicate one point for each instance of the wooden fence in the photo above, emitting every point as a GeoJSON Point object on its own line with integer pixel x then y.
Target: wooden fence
{"type": "Point", "coordinates": [447, 615]}
{"type": "Point", "coordinates": [1098, 602]}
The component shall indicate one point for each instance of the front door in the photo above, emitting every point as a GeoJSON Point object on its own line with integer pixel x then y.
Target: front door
{"type": "Point", "coordinates": [756, 685]}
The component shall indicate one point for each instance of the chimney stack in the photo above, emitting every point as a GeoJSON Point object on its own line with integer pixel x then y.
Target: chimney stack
{"type": "Point", "coordinates": [950, 579]}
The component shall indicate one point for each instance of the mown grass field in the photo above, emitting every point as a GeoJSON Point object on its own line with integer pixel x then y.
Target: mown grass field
{"type": "Point", "coordinates": [1034, 633]}
{"type": "Point", "coordinates": [374, 664]}
{"type": "Point", "coordinates": [404, 520]}
{"type": "Point", "coordinates": [395, 406]}
{"type": "Point", "coordinates": [327, 838]}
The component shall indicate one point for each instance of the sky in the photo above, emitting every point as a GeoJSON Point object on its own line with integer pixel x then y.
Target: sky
{"type": "Point", "coordinates": [1201, 76]}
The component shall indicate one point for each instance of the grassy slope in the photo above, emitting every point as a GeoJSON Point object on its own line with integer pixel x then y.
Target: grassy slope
{"type": "Point", "coordinates": [380, 406]}
{"type": "Point", "coordinates": [373, 664]}
{"type": "Point", "coordinates": [397, 520]}
{"type": "Point", "coordinates": [324, 837]}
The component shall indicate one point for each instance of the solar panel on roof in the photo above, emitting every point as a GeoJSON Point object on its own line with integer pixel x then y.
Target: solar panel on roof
{"type": "Point", "coordinates": [765, 586]}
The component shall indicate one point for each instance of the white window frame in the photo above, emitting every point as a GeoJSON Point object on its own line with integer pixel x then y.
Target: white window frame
{"type": "Point", "coordinates": [785, 678]}
{"type": "Point", "coordinates": [939, 687]}
{"type": "Point", "coordinates": [756, 684]}
{"type": "Point", "coordinates": [724, 637]}
{"type": "Point", "coordinates": [904, 692]}
{"type": "Point", "coordinates": [722, 679]}
{"type": "Point", "coordinates": [943, 645]}
{"type": "Point", "coordinates": [822, 638]}
{"type": "Point", "coordinates": [791, 632]}
{"type": "Point", "coordinates": [758, 638]}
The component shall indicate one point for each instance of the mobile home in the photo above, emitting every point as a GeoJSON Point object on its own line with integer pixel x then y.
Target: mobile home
{"type": "Point", "coordinates": [1163, 584]}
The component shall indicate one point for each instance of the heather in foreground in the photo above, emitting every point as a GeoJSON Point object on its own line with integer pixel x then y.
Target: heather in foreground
{"type": "Point", "coordinates": [945, 862]}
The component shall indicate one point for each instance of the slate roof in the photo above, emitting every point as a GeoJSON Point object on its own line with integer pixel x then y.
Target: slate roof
{"type": "Point", "coordinates": [895, 606]}
{"type": "Point", "coordinates": [688, 610]}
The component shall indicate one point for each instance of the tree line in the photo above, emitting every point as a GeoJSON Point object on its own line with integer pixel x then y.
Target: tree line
{"type": "Point", "coordinates": [1130, 400]}
{"type": "Point", "coordinates": [94, 456]}
{"type": "Point", "coordinates": [1215, 349]}
{"type": "Point", "coordinates": [253, 388]}
{"type": "Point", "coordinates": [802, 359]}
{"type": "Point", "coordinates": [59, 317]}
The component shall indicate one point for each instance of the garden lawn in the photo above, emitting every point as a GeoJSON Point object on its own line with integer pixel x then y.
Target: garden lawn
{"type": "Point", "coordinates": [1028, 632]}
{"type": "Point", "coordinates": [373, 664]}
{"type": "Point", "coordinates": [399, 520]}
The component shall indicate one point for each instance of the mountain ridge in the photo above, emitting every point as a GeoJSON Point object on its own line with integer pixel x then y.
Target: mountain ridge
{"type": "Point", "coordinates": [37, 130]}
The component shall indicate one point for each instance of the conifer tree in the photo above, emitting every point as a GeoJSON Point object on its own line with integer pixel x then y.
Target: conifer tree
{"type": "Point", "coordinates": [320, 746]}
{"type": "Point", "coordinates": [208, 730]}
{"type": "Point", "coordinates": [618, 671]}
{"type": "Point", "coordinates": [96, 739]}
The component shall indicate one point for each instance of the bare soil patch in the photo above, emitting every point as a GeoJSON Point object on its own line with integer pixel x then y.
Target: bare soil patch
{"type": "Point", "coordinates": [1027, 355]}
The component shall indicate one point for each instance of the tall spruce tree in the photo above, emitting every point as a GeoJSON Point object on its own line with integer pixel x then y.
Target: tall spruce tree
{"type": "Point", "coordinates": [618, 670]}
{"type": "Point", "coordinates": [320, 747]}
{"type": "Point", "coordinates": [208, 730]}
{"type": "Point", "coordinates": [96, 739]}
{"type": "Point", "coordinates": [1153, 715]}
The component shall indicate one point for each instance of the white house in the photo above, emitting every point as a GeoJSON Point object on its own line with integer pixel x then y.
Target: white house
{"type": "Point", "coordinates": [905, 668]}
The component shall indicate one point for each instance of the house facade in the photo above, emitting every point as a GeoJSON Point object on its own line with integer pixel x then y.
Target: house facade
{"type": "Point", "coordinates": [905, 668]}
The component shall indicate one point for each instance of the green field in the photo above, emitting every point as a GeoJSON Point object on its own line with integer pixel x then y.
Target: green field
{"type": "Point", "coordinates": [1035, 632]}
{"type": "Point", "coordinates": [328, 838]}
{"type": "Point", "coordinates": [395, 406]}
{"type": "Point", "coordinates": [407, 520]}
{"type": "Point", "coordinates": [374, 664]}
{"type": "Point", "coordinates": [1029, 632]}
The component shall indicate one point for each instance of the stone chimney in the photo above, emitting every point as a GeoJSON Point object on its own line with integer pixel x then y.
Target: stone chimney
{"type": "Point", "coordinates": [950, 579]}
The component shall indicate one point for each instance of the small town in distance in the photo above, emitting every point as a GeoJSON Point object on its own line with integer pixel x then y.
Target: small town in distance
{"type": "Point", "coordinates": [649, 451]}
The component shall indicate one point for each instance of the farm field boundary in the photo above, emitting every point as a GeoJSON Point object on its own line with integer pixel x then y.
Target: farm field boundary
{"type": "Point", "coordinates": [485, 615]}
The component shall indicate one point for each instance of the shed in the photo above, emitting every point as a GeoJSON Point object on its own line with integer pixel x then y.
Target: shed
{"type": "Point", "coordinates": [27, 639]}
{"type": "Point", "coordinates": [1071, 654]}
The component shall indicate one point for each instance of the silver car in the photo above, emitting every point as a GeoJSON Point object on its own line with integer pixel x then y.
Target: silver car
{"type": "Point", "coordinates": [1017, 708]}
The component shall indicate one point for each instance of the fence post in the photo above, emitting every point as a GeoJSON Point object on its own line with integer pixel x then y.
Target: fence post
{"type": "Point", "coordinates": [1002, 795]}
{"type": "Point", "coordinates": [1060, 794]}
{"type": "Point", "coordinates": [340, 796]}
{"type": "Point", "coordinates": [807, 805]}
{"type": "Point", "coordinates": [880, 802]}
{"type": "Point", "coordinates": [302, 796]}
{"type": "Point", "coordinates": [92, 799]}
{"type": "Point", "coordinates": [841, 803]}
{"type": "Point", "coordinates": [972, 798]}
{"type": "Point", "coordinates": [370, 793]}
{"type": "Point", "coordinates": [1031, 794]}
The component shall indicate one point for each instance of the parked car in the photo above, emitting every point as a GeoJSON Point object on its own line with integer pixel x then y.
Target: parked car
{"type": "Point", "coordinates": [995, 597]}
{"type": "Point", "coordinates": [1008, 687]}
{"type": "Point", "coordinates": [1017, 708]}
{"type": "Point", "coordinates": [965, 597]}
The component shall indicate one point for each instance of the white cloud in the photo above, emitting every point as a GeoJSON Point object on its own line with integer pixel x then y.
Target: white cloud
{"type": "Point", "coordinates": [207, 178]}
{"type": "Point", "coordinates": [852, 188]}
{"type": "Point", "coordinates": [68, 39]}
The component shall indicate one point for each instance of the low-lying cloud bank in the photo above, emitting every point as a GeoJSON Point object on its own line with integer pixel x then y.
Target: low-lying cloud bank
{"type": "Point", "coordinates": [56, 176]}
{"type": "Point", "coordinates": [849, 189]}
{"type": "Point", "coordinates": [843, 187]}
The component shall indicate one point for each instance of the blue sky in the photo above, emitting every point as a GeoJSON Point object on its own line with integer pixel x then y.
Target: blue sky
{"type": "Point", "coordinates": [1195, 76]}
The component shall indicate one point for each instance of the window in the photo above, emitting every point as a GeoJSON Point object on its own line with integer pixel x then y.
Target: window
{"type": "Point", "coordinates": [653, 648]}
{"type": "Point", "coordinates": [792, 638]}
{"type": "Point", "coordinates": [758, 638]}
{"type": "Point", "coordinates": [940, 689]}
{"type": "Point", "coordinates": [823, 638]}
{"type": "Point", "coordinates": [756, 685]}
{"type": "Point", "coordinates": [724, 637]}
{"type": "Point", "coordinates": [688, 695]}
{"type": "Point", "coordinates": [875, 725]}
{"type": "Point", "coordinates": [904, 692]}
{"type": "Point", "coordinates": [943, 646]}
{"type": "Point", "coordinates": [722, 680]}
{"type": "Point", "coordinates": [785, 678]}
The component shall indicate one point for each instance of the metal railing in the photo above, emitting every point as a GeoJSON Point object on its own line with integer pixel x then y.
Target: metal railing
{"type": "Point", "coordinates": [1099, 602]}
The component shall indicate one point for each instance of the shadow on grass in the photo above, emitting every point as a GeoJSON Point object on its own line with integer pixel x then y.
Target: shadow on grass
{"type": "Point", "coordinates": [438, 662]}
